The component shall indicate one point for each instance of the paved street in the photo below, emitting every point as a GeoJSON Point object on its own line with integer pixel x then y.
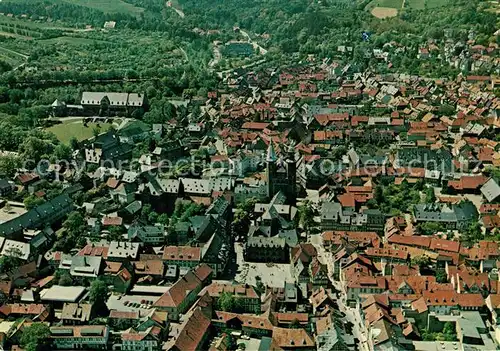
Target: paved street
{"type": "Point", "coordinates": [271, 274]}
{"type": "Point", "coordinates": [352, 314]}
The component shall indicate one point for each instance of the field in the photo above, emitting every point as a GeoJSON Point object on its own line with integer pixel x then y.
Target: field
{"type": "Point", "coordinates": [423, 4]}
{"type": "Point", "coordinates": [75, 128]}
{"type": "Point", "coordinates": [396, 4]}
{"type": "Point", "coordinates": [385, 8]}
{"type": "Point", "coordinates": [106, 6]}
{"type": "Point", "coordinates": [436, 3]}
{"type": "Point", "coordinates": [70, 40]}
{"type": "Point", "coordinates": [384, 12]}
{"type": "Point", "coordinates": [416, 4]}
{"type": "Point", "coordinates": [389, 8]}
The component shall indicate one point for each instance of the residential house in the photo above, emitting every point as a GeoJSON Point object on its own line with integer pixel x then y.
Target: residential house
{"type": "Point", "coordinates": [147, 234]}
{"type": "Point", "coordinates": [147, 340]}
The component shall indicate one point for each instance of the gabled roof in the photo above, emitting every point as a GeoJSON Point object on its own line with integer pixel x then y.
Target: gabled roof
{"type": "Point", "coordinates": [178, 292]}
{"type": "Point", "coordinates": [284, 338]}
{"type": "Point", "coordinates": [192, 332]}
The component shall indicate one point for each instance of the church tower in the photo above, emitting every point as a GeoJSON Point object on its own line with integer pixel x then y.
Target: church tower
{"type": "Point", "coordinates": [270, 169]}
{"type": "Point", "coordinates": [291, 170]}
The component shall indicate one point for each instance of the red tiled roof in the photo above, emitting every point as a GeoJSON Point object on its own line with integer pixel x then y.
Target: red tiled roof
{"type": "Point", "coordinates": [178, 292]}
{"type": "Point", "coordinates": [468, 182]}
{"type": "Point", "coordinates": [203, 271]}
{"type": "Point", "coordinates": [91, 250]}
{"type": "Point", "coordinates": [238, 291]}
{"type": "Point", "coordinates": [149, 267]}
{"type": "Point", "coordinates": [115, 314]}
{"type": "Point", "coordinates": [255, 125]}
{"type": "Point", "coordinates": [305, 252]}
{"type": "Point", "coordinates": [111, 221]}
{"type": "Point", "coordinates": [445, 245]}
{"type": "Point", "coordinates": [192, 332]}
{"type": "Point", "coordinates": [284, 338]}
{"type": "Point", "coordinates": [182, 253]}
{"type": "Point", "coordinates": [387, 252]}
{"type": "Point", "coordinates": [418, 241]}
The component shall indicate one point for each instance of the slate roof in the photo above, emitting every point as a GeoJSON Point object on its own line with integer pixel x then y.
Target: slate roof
{"type": "Point", "coordinates": [491, 190]}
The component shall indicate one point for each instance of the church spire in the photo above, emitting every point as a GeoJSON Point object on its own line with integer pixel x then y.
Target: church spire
{"type": "Point", "coordinates": [271, 154]}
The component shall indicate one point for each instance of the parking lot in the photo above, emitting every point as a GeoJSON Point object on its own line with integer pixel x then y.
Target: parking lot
{"type": "Point", "coordinates": [131, 303]}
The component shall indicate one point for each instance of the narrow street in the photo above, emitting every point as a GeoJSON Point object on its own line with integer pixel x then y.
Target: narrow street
{"type": "Point", "coordinates": [353, 315]}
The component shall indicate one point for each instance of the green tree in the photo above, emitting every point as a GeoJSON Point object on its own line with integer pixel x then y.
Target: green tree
{"type": "Point", "coordinates": [228, 302]}
{"type": "Point", "coordinates": [116, 233]}
{"type": "Point", "coordinates": [32, 201]}
{"type": "Point", "coordinates": [242, 217]}
{"type": "Point", "coordinates": [430, 196]}
{"type": "Point", "coordinates": [62, 152]}
{"type": "Point", "coordinates": [65, 279]}
{"type": "Point", "coordinates": [98, 295]}
{"type": "Point", "coordinates": [295, 324]}
{"type": "Point", "coordinates": [74, 144]}
{"type": "Point", "coordinates": [9, 165]}
{"type": "Point", "coordinates": [163, 219]}
{"type": "Point", "coordinates": [10, 261]}
{"type": "Point", "coordinates": [34, 148]}
{"type": "Point", "coordinates": [305, 216]}
{"type": "Point", "coordinates": [259, 286]}
{"type": "Point", "coordinates": [430, 228]}
{"type": "Point", "coordinates": [96, 130]}
{"type": "Point", "coordinates": [36, 337]}
{"type": "Point", "coordinates": [441, 276]}
{"type": "Point", "coordinates": [422, 261]}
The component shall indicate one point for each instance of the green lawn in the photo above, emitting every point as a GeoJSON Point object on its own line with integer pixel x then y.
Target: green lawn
{"type": "Point", "coordinates": [395, 4]}
{"type": "Point", "coordinates": [416, 4]}
{"type": "Point", "coordinates": [436, 3]}
{"type": "Point", "coordinates": [71, 128]}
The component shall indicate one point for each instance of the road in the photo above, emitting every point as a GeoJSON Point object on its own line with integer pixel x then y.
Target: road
{"type": "Point", "coordinates": [24, 56]}
{"type": "Point", "coordinates": [179, 11]}
{"type": "Point", "coordinates": [255, 45]}
{"type": "Point", "coordinates": [352, 314]}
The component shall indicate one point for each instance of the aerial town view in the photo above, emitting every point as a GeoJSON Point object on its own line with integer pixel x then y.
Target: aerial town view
{"type": "Point", "coordinates": [253, 175]}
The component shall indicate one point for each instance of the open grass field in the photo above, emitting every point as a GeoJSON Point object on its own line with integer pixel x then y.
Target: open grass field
{"type": "Point", "coordinates": [436, 3]}
{"type": "Point", "coordinates": [385, 8]}
{"type": "Point", "coordinates": [389, 8]}
{"type": "Point", "coordinates": [75, 128]}
{"type": "Point", "coordinates": [416, 4]}
{"type": "Point", "coordinates": [425, 4]}
{"type": "Point", "coordinates": [384, 12]}
{"type": "Point", "coordinates": [106, 6]}
{"type": "Point", "coordinates": [396, 4]}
